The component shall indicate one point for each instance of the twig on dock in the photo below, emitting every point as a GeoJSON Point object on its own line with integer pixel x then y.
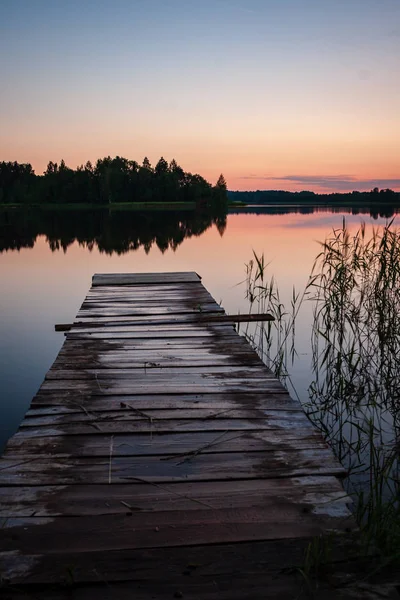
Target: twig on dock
{"type": "Point", "coordinates": [136, 410]}
{"type": "Point", "coordinates": [111, 452]}
{"type": "Point", "coordinates": [192, 453]}
{"type": "Point", "coordinates": [98, 382]}
{"type": "Point", "coordinates": [221, 412]}
{"type": "Point", "coordinates": [161, 487]}
{"type": "Point", "coordinates": [21, 463]}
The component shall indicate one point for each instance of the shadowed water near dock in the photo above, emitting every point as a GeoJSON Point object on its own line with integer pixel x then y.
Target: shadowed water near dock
{"type": "Point", "coordinates": [160, 458]}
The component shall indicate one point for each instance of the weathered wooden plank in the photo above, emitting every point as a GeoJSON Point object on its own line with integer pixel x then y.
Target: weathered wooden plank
{"type": "Point", "coordinates": [183, 445]}
{"type": "Point", "coordinates": [174, 528]}
{"type": "Point", "coordinates": [280, 586]}
{"type": "Point", "coordinates": [221, 466]}
{"type": "Point", "coordinates": [154, 333]}
{"type": "Point", "coordinates": [58, 402]}
{"type": "Point", "coordinates": [113, 426]}
{"type": "Point", "coordinates": [146, 310]}
{"type": "Point", "coordinates": [208, 318]}
{"type": "Point", "coordinates": [112, 291]}
{"type": "Point", "coordinates": [323, 494]}
{"type": "Point", "coordinates": [181, 350]}
{"type": "Point", "coordinates": [152, 320]}
{"type": "Point", "coordinates": [194, 304]}
{"type": "Point", "coordinates": [140, 360]}
{"type": "Point", "coordinates": [194, 301]}
{"type": "Point", "coordinates": [164, 386]}
{"type": "Point", "coordinates": [157, 373]}
{"type": "Point", "coordinates": [216, 571]}
{"type": "Point", "coordinates": [176, 302]}
{"type": "Point", "coordinates": [152, 350]}
{"type": "Point", "coordinates": [119, 279]}
{"type": "Point", "coordinates": [131, 289]}
{"type": "Point", "coordinates": [185, 328]}
{"type": "Point", "coordinates": [154, 355]}
{"type": "Point", "coordinates": [144, 294]}
{"type": "Point", "coordinates": [156, 291]}
{"type": "Point", "coordinates": [129, 413]}
{"type": "Point", "coordinates": [220, 587]}
{"type": "Point", "coordinates": [209, 344]}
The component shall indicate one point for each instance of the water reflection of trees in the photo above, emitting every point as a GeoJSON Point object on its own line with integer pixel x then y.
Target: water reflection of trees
{"type": "Point", "coordinates": [108, 231]}
{"type": "Point", "coordinates": [374, 211]}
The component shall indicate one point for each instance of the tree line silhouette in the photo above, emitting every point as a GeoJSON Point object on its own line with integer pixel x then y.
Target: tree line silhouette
{"type": "Point", "coordinates": [384, 196]}
{"type": "Point", "coordinates": [110, 180]}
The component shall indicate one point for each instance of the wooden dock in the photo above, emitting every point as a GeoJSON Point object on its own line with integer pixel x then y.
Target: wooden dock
{"type": "Point", "coordinates": [161, 459]}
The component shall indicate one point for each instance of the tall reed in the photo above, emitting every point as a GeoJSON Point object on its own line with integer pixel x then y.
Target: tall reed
{"type": "Point", "coordinates": [273, 340]}
{"type": "Point", "coordinates": [354, 393]}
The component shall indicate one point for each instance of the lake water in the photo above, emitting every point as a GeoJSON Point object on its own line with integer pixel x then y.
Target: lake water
{"type": "Point", "coordinates": [47, 261]}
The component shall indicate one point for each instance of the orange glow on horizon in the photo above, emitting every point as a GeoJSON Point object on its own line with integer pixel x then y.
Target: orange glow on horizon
{"type": "Point", "coordinates": [248, 162]}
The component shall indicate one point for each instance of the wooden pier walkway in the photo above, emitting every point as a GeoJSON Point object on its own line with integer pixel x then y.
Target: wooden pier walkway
{"type": "Point", "coordinates": [161, 459]}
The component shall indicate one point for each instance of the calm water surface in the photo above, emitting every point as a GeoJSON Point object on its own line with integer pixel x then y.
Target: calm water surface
{"type": "Point", "coordinates": [46, 272]}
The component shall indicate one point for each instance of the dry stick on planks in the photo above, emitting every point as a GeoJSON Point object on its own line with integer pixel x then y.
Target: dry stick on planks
{"type": "Point", "coordinates": [199, 450]}
{"type": "Point", "coordinates": [221, 412]}
{"type": "Point", "coordinates": [21, 463]}
{"type": "Point", "coordinates": [192, 453]}
{"type": "Point", "coordinates": [130, 506]}
{"type": "Point", "coordinates": [98, 382]}
{"type": "Point", "coordinates": [136, 410]}
{"type": "Point", "coordinates": [142, 414]}
{"type": "Point", "coordinates": [107, 417]}
{"type": "Point", "coordinates": [88, 414]}
{"type": "Point", "coordinates": [92, 423]}
{"type": "Point", "coordinates": [111, 452]}
{"type": "Point", "coordinates": [161, 487]}
{"type": "Point", "coordinates": [85, 410]}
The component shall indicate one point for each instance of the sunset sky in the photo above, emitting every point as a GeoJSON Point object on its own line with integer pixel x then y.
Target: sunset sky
{"type": "Point", "coordinates": [276, 94]}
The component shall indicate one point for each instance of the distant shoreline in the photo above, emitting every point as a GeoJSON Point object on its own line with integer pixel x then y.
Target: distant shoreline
{"type": "Point", "coordinates": [317, 203]}
{"type": "Point", "coordinates": [186, 206]}
{"type": "Point", "coordinates": [111, 206]}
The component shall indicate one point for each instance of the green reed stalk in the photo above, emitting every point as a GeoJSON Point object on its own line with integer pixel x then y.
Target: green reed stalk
{"type": "Point", "coordinates": [354, 395]}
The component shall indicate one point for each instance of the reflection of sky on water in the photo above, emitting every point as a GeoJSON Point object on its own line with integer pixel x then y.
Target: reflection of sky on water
{"type": "Point", "coordinates": [326, 221]}
{"type": "Point", "coordinates": [41, 288]}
